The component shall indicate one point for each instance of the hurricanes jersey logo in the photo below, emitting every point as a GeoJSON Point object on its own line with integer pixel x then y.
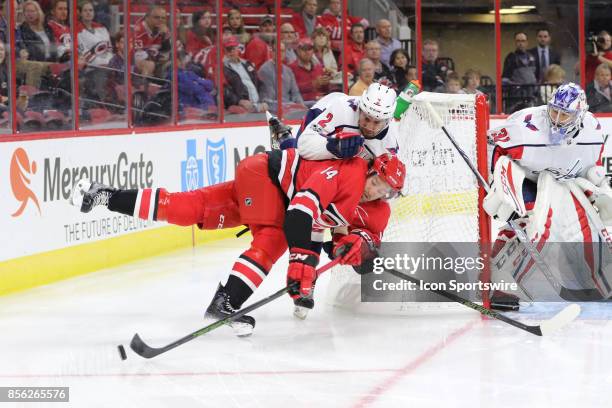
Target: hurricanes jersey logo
{"type": "Point", "coordinates": [21, 172]}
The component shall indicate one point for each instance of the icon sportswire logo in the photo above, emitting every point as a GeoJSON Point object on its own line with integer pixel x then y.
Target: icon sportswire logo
{"type": "Point", "coordinates": [21, 172]}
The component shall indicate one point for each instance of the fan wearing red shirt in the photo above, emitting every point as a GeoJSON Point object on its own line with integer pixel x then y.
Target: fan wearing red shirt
{"type": "Point", "coordinates": [311, 77]}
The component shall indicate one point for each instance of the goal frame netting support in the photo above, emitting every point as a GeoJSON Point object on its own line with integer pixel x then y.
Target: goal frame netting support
{"type": "Point", "coordinates": [457, 109]}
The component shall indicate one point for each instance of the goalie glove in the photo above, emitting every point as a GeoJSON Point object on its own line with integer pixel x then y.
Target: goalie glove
{"type": "Point", "coordinates": [506, 193]}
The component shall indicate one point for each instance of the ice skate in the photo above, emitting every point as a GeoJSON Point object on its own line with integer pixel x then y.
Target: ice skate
{"type": "Point", "coordinates": [302, 306]}
{"type": "Point", "coordinates": [220, 308]}
{"type": "Point", "coordinates": [88, 195]}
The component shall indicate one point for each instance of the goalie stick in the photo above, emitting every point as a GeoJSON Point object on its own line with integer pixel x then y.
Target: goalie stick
{"type": "Point", "coordinates": [567, 315]}
{"type": "Point", "coordinates": [520, 233]}
{"type": "Point", "coordinates": [142, 349]}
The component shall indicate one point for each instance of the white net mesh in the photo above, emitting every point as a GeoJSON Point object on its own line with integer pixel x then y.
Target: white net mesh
{"type": "Point", "coordinates": [440, 197]}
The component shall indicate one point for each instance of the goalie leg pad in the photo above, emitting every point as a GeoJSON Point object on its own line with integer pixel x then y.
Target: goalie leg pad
{"type": "Point", "coordinates": [563, 235]}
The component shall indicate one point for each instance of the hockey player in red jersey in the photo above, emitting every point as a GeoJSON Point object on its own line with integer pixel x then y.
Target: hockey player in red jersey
{"type": "Point", "coordinates": [286, 201]}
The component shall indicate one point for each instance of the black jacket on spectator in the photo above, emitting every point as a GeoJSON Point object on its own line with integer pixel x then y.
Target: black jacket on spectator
{"type": "Point", "coordinates": [27, 39]}
{"type": "Point", "coordinates": [520, 68]}
{"type": "Point", "coordinates": [234, 89]}
{"type": "Point", "coordinates": [598, 103]}
{"type": "Point", "coordinates": [433, 75]}
{"type": "Point", "coordinates": [553, 58]}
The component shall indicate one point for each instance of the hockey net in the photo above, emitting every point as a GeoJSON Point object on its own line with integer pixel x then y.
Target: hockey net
{"type": "Point", "coordinates": [441, 201]}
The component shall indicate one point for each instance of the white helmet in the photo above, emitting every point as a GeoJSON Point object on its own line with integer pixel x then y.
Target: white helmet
{"type": "Point", "coordinates": [378, 102]}
{"type": "Point", "coordinates": [569, 99]}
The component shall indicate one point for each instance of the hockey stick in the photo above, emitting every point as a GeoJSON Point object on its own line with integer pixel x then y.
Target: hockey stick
{"type": "Point", "coordinates": [518, 231]}
{"type": "Point", "coordinates": [142, 349]}
{"type": "Point", "coordinates": [567, 315]}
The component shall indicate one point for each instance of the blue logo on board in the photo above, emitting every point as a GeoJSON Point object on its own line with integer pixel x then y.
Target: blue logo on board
{"type": "Point", "coordinates": [216, 159]}
{"type": "Point", "coordinates": [192, 169]}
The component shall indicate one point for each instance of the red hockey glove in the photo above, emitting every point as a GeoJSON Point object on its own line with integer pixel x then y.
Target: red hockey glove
{"type": "Point", "coordinates": [302, 264]}
{"type": "Point", "coordinates": [355, 247]}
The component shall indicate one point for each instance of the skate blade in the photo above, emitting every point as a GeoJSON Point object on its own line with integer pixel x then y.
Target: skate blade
{"type": "Point", "coordinates": [300, 312]}
{"type": "Point", "coordinates": [242, 329]}
{"type": "Point", "coordinates": [78, 191]}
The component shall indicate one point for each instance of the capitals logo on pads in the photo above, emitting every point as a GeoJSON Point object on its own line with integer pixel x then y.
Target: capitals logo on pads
{"type": "Point", "coordinates": [216, 159]}
{"type": "Point", "coordinates": [192, 169]}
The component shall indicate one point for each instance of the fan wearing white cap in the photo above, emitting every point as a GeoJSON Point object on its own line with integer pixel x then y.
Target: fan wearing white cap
{"type": "Point", "coordinates": [339, 126]}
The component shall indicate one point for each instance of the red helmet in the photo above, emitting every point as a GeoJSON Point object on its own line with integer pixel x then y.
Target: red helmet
{"type": "Point", "coordinates": [392, 169]}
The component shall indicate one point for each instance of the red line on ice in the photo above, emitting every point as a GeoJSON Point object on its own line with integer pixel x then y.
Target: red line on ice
{"type": "Point", "coordinates": [409, 368]}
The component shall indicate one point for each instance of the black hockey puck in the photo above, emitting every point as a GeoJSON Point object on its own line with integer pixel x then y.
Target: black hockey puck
{"type": "Point", "coordinates": [122, 352]}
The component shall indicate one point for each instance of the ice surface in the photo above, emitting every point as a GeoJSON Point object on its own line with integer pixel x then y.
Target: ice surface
{"type": "Point", "coordinates": [66, 334]}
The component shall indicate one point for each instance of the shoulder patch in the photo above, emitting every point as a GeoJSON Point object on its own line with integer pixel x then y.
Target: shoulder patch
{"type": "Point", "coordinates": [528, 123]}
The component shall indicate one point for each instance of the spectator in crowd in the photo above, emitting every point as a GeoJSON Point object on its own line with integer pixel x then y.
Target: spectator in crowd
{"type": "Point", "coordinates": [93, 38]}
{"type": "Point", "coordinates": [305, 21]}
{"type": "Point", "coordinates": [433, 71]}
{"type": "Point", "coordinates": [399, 65]}
{"type": "Point", "coordinates": [599, 92]}
{"type": "Point", "coordinates": [471, 82]}
{"type": "Point", "coordinates": [4, 80]}
{"type": "Point", "coordinates": [193, 90]}
{"type": "Point", "coordinates": [544, 55]}
{"type": "Point", "coordinates": [241, 81]}
{"type": "Point", "coordinates": [199, 45]}
{"type": "Point", "coordinates": [453, 83]}
{"type": "Point", "coordinates": [322, 50]}
{"type": "Point", "coordinates": [267, 76]}
{"type": "Point", "coordinates": [290, 39]}
{"type": "Point", "coordinates": [355, 50]}
{"type": "Point", "coordinates": [95, 52]}
{"type": "Point", "coordinates": [602, 54]}
{"type": "Point", "coordinates": [259, 49]}
{"type": "Point", "coordinates": [236, 25]}
{"type": "Point", "coordinates": [388, 44]}
{"type": "Point", "coordinates": [151, 43]}
{"type": "Point", "coordinates": [3, 23]}
{"type": "Point", "coordinates": [382, 73]}
{"type": "Point", "coordinates": [365, 78]}
{"type": "Point", "coordinates": [103, 12]}
{"type": "Point", "coordinates": [36, 39]}
{"type": "Point", "coordinates": [116, 78]}
{"type": "Point", "coordinates": [553, 77]}
{"type": "Point", "coordinates": [520, 65]}
{"type": "Point", "coordinates": [331, 19]}
{"type": "Point", "coordinates": [311, 77]}
{"type": "Point", "coordinates": [411, 73]}
{"type": "Point", "coordinates": [201, 35]}
{"type": "Point", "coordinates": [58, 21]}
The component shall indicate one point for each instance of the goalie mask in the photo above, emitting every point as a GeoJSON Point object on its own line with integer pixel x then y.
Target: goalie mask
{"type": "Point", "coordinates": [565, 113]}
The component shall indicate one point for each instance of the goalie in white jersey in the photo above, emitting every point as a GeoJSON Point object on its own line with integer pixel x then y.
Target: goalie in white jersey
{"type": "Point", "coordinates": [547, 168]}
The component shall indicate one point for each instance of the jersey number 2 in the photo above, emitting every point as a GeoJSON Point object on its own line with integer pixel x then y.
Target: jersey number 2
{"type": "Point", "coordinates": [325, 121]}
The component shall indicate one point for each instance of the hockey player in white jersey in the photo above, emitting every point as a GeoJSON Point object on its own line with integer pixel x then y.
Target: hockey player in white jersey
{"type": "Point", "coordinates": [547, 168]}
{"type": "Point", "coordinates": [338, 125]}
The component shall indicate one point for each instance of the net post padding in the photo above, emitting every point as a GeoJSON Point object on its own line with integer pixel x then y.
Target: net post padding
{"type": "Point", "coordinates": [441, 200]}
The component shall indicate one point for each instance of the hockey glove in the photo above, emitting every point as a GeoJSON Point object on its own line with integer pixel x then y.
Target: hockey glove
{"type": "Point", "coordinates": [506, 194]}
{"type": "Point", "coordinates": [301, 273]}
{"type": "Point", "coordinates": [344, 144]}
{"type": "Point", "coordinates": [355, 247]}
